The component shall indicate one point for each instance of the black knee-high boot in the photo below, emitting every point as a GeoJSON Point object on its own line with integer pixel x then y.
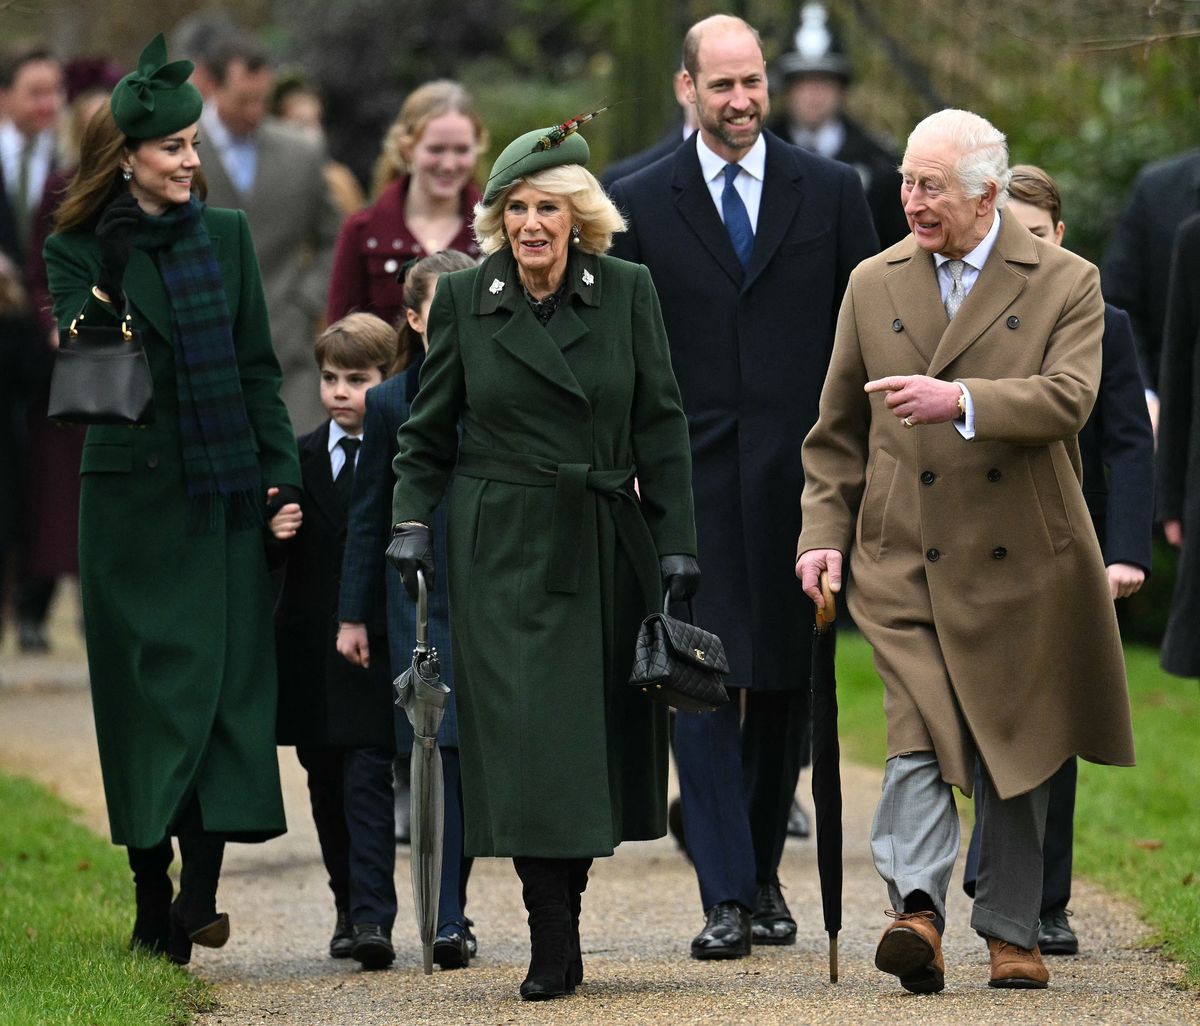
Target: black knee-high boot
{"type": "Point", "coordinates": [152, 892]}
{"type": "Point", "coordinates": [194, 916]}
{"type": "Point", "coordinates": [546, 893]}
{"type": "Point", "coordinates": [577, 880]}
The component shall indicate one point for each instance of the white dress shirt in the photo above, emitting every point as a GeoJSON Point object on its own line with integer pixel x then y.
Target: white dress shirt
{"type": "Point", "coordinates": [12, 145]}
{"type": "Point", "coordinates": [337, 455]}
{"type": "Point", "coordinates": [972, 264]}
{"type": "Point", "coordinates": [749, 182]}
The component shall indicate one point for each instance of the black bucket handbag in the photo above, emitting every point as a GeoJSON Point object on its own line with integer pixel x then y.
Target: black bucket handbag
{"type": "Point", "coordinates": [680, 664]}
{"type": "Point", "coordinates": [101, 375]}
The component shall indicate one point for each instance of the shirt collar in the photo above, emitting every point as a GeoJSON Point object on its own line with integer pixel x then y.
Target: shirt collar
{"type": "Point", "coordinates": [753, 163]}
{"type": "Point", "coordinates": [978, 256]}
{"type": "Point", "coordinates": [337, 433]}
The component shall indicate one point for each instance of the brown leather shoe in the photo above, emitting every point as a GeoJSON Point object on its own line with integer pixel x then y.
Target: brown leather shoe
{"type": "Point", "coordinates": [911, 948]}
{"type": "Point", "coordinates": [1016, 968]}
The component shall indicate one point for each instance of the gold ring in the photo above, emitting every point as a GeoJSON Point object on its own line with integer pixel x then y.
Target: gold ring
{"type": "Point", "coordinates": [908, 422]}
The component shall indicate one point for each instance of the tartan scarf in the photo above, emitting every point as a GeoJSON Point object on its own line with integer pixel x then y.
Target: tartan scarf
{"type": "Point", "coordinates": [220, 465]}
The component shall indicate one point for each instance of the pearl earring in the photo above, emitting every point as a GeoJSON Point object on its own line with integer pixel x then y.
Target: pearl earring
{"type": "Point", "coordinates": [126, 174]}
{"type": "Point", "coordinates": [574, 233]}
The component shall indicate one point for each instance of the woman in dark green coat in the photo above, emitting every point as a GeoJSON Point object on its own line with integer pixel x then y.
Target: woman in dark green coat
{"type": "Point", "coordinates": [553, 359]}
{"type": "Point", "coordinates": [176, 598]}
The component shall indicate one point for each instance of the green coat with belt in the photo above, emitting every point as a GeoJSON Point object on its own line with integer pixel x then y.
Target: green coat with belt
{"type": "Point", "coordinates": [178, 625]}
{"type": "Point", "coordinates": [553, 558]}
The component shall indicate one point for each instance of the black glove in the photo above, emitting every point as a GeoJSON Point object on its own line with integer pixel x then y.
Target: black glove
{"type": "Point", "coordinates": [410, 550]}
{"type": "Point", "coordinates": [681, 576]}
{"type": "Point", "coordinates": [287, 493]}
{"type": "Point", "coordinates": [114, 232]}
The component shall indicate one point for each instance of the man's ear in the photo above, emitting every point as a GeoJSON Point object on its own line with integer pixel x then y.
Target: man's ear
{"type": "Point", "coordinates": [987, 202]}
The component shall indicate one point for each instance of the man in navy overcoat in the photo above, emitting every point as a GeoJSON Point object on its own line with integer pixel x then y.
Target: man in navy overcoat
{"type": "Point", "coordinates": [750, 242]}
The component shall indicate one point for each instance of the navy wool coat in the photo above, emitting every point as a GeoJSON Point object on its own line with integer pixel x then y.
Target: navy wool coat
{"type": "Point", "coordinates": [750, 350]}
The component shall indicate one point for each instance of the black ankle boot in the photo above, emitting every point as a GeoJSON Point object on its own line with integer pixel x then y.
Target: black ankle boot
{"type": "Point", "coordinates": [194, 916]}
{"type": "Point", "coordinates": [545, 891]}
{"type": "Point", "coordinates": [577, 878]}
{"type": "Point", "coordinates": [152, 892]}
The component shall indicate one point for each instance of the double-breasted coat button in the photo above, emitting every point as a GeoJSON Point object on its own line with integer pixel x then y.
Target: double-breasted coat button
{"type": "Point", "coordinates": [397, 243]}
{"type": "Point", "coordinates": [897, 325]}
{"type": "Point", "coordinates": [391, 266]}
{"type": "Point", "coordinates": [994, 475]}
{"type": "Point", "coordinates": [999, 552]}
{"type": "Point", "coordinates": [152, 462]}
{"type": "Point", "coordinates": [372, 243]}
{"type": "Point", "coordinates": [928, 477]}
{"type": "Point", "coordinates": [1014, 321]}
{"type": "Point", "coordinates": [933, 555]}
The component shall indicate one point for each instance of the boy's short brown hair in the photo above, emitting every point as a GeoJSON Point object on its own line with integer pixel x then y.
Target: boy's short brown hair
{"type": "Point", "coordinates": [1032, 185]}
{"type": "Point", "coordinates": [356, 342]}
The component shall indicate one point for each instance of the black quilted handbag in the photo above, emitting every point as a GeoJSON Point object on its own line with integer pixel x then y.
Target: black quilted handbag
{"type": "Point", "coordinates": [680, 664]}
{"type": "Point", "coordinates": [101, 375]}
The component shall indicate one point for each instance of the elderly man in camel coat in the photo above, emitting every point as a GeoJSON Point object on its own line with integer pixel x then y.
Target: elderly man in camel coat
{"type": "Point", "coordinates": [944, 463]}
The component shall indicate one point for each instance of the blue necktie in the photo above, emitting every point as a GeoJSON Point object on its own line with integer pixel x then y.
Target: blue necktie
{"type": "Point", "coordinates": [737, 221]}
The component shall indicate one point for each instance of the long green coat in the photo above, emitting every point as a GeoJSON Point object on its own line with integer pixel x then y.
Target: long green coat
{"type": "Point", "coordinates": [178, 626]}
{"type": "Point", "coordinates": [553, 560]}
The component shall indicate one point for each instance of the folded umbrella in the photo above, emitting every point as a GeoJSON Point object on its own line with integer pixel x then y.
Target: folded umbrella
{"type": "Point", "coordinates": [826, 772]}
{"type": "Point", "coordinates": [422, 695]}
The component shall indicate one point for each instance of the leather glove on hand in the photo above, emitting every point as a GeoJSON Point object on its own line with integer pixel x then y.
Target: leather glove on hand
{"type": "Point", "coordinates": [681, 576]}
{"type": "Point", "coordinates": [286, 493]}
{"type": "Point", "coordinates": [114, 232]}
{"type": "Point", "coordinates": [410, 550]}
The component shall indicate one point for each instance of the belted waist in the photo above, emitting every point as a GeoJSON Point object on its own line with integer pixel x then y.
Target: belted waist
{"type": "Point", "coordinates": [571, 483]}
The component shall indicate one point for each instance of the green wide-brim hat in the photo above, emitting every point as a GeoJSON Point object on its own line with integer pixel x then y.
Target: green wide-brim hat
{"type": "Point", "coordinates": [526, 155]}
{"type": "Point", "coordinates": [156, 99]}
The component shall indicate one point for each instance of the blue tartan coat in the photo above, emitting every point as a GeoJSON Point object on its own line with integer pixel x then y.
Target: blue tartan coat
{"type": "Point", "coordinates": [367, 536]}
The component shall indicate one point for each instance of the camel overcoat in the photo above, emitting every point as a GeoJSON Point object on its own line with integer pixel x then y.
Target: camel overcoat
{"type": "Point", "coordinates": [976, 574]}
{"type": "Point", "coordinates": [552, 557]}
{"type": "Point", "coordinates": [178, 625]}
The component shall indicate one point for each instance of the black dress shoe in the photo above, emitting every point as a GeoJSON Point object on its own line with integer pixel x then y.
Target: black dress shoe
{"type": "Point", "coordinates": [451, 948]}
{"type": "Point", "coordinates": [1055, 936]}
{"type": "Point", "coordinates": [726, 933]}
{"type": "Point", "coordinates": [797, 824]}
{"type": "Point", "coordinates": [213, 934]}
{"type": "Point", "coordinates": [472, 943]}
{"type": "Point", "coordinates": [372, 946]}
{"type": "Point", "coordinates": [341, 944]}
{"type": "Point", "coordinates": [772, 921]}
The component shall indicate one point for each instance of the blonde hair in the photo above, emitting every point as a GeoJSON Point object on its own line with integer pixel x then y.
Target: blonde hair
{"type": "Point", "coordinates": [591, 209]}
{"type": "Point", "coordinates": [426, 102]}
{"type": "Point", "coordinates": [358, 341]}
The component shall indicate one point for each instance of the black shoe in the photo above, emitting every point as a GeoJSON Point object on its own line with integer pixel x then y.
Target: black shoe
{"type": "Point", "coordinates": [451, 948]}
{"type": "Point", "coordinates": [341, 944]}
{"type": "Point", "coordinates": [797, 824]}
{"type": "Point", "coordinates": [545, 890]}
{"type": "Point", "coordinates": [372, 946]}
{"type": "Point", "coordinates": [152, 924]}
{"type": "Point", "coordinates": [32, 637]}
{"type": "Point", "coordinates": [772, 921]}
{"type": "Point", "coordinates": [213, 934]}
{"type": "Point", "coordinates": [726, 933]}
{"type": "Point", "coordinates": [1055, 936]}
{"type": "Point", "coordinates": [472, 943]}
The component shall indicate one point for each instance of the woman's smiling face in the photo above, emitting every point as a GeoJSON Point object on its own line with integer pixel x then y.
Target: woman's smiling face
{"type": "Point", "coordinates": [163, 169]}
{"type": "Point", "coordinates": [538, 226]}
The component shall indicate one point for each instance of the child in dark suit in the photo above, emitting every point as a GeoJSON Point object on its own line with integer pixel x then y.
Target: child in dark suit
{"type": "Point", "coordinates": [337, 715]}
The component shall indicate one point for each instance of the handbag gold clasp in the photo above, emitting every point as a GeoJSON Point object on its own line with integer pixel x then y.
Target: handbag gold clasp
{"type": "Point", "coordinates": [699, 654]}
{"type": "Point", "coordinates": [126, 334]}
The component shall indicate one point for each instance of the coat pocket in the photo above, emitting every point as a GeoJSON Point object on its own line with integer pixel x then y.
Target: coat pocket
{"type": "Point", "coordinates": [1051, 502]}
{"type": "Point", "coordinates": [106, 458]}
{"type": "Point", "coordinates": [872, 518]}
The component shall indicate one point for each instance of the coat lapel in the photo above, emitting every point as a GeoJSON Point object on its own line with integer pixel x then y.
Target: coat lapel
{"type": "Point", "coordinates": [781, 197]}
{"type": "Point", "coordinates": [498, 292]}
{"type": "Point", "coordinates": [318, 477]}
{"type": "Point", "coordinates": [998, 285]}
{"type": "Point", "coordinates": [695, 205]}
{"type": "Point", "coordinates": [913, 289]}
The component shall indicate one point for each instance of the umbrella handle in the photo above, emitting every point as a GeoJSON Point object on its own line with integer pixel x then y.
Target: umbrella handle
{"type": "Point", "coordinates": [826, 616]}
{"type": "Point", "coordinates": [422, 611]}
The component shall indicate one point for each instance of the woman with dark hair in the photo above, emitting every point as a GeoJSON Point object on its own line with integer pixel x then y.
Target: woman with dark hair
{"type": "Point", "coordinates": [172, 551]}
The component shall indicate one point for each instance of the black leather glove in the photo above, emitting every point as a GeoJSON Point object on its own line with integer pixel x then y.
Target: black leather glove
{"type": "Point", "coordinates": [114, 232]}
{"type": "Point", "coordinates": [287, 493]}
{"type": "Point", "coordinates": [410, 550]}
{"type": "Point", "coordinates": [681, 576]}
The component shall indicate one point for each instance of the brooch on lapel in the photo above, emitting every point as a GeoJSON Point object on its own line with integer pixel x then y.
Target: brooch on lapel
{"type": "Point", "coordinates": [588, 277]}
{"type": "Point", "coordinates": [496, 287]}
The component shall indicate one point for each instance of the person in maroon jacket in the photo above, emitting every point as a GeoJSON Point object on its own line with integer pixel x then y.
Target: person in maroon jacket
{"type": "Point", "coordinates": [424, 196]}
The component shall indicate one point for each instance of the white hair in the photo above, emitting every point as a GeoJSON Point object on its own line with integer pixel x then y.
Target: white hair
{"type": "Point", "coordinates": [981, 147]}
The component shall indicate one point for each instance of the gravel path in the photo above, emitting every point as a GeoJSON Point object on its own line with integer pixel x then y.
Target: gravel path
{"type": "Point", "coordinates": [640, 911]}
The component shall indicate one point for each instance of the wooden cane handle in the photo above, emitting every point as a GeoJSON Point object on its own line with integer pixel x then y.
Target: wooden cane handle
{"type": "Point", "coordinates": [827, 615]}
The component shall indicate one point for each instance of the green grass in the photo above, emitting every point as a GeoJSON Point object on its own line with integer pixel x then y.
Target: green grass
{"type": "Point", "coordinates": [66, 908]}
{"type": "Point", "coordinates": [1137, 831]}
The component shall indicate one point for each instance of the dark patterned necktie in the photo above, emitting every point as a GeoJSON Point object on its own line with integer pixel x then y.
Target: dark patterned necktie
{"type": "Point", "coordinates": [345, 478]}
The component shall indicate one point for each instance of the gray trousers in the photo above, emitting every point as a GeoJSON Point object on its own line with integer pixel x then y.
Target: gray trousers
{"type": "Point", "coordinates": [914, 841]}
